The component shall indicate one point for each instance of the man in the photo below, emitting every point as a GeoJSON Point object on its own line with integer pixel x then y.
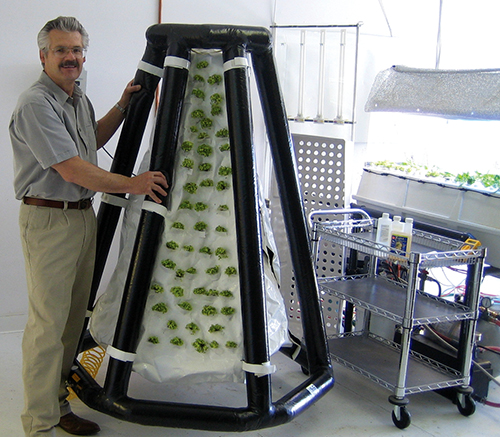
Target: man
{"type": "Point", "coordinates": [55, 139]}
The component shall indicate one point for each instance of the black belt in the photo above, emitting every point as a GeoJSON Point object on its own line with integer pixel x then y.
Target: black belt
{"type": "Point", "coordinates": [81, 204]}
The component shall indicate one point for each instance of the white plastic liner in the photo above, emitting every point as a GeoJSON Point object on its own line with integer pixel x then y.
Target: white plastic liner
{"type": "Point", "coordinates": [468, 94]}
{"type": "Point", "coordinates": [157, 359]}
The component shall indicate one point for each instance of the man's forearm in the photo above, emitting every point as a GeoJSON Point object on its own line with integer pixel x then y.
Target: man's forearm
{"type": "Point", "coordinates": [85, 174]}
{"type": "Point", "coordinates": [107, 126]}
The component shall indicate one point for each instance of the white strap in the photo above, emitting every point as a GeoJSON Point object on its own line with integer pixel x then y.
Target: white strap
{"type": "Point", "coordinates": [148, 205]}
{"type": "Point", "coordinates": [239, 62]}
{"type": "Point", "coordinates": [259, 369]}
{"type": "Point", "coordinates": [114, 200]}
{"type": "Point", "coordinates": [175, 61]}
{"type": "Point", "coordinates": [150, 68]}
{"type": "Point", "coordinates": [297, 351]}
{"type": "Point", "coordinates": [120, 355]}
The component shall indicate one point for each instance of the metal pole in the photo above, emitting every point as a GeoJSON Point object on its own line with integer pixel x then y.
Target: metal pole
{"type": "Point", "coordinates": [300, 112]}
{"type": "Point", "coordinates": [340, 97]}
{"type": "Point", "coordinates": [321, 80]}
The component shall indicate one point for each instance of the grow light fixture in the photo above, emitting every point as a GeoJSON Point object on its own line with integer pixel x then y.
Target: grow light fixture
{"type": "Point", "coordinates": [462, 94]}
{"type": "Point", "coordinates": [167, 56]}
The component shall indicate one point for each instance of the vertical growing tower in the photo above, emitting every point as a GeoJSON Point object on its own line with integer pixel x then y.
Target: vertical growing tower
{"type": "Point", "coordinates": [167, 57]}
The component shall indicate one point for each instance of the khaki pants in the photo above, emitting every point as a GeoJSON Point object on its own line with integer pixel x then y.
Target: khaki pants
{"type": "Point", "coordinates": [59, 252]}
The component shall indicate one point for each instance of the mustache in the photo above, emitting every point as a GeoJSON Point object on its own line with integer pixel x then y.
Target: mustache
{"type": "Point", "coordinates": [69, 64]}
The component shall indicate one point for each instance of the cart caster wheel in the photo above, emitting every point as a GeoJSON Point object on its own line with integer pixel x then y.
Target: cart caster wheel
{"type": "Point", "coordinates": [465, 404]}
{"type": "Point", "coordinates": [401, 417]}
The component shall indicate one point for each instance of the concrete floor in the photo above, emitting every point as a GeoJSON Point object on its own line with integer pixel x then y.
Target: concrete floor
{"type": "Point", "coordinates": [354, 407]}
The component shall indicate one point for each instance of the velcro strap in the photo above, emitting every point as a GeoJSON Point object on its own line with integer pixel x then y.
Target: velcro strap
{"type": "Point", "coordinates": [114, 200]}
{"type": "Point", "coordinates": [120, 355]}
{"type": "Point", "coordinates": [175, 61]}
{"type": "Point", "coordinates": [150, 68]}
{"type": "Point", "coordinates": [155, 207]}
{"type": "Point", "coordinates": [259, 369]}
{"type": "Point", "coordinates": [238, 62]}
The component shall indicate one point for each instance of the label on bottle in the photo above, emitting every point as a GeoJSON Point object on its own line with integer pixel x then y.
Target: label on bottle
{"type": "Point", "coordinates": [400, 242]}
{"type": "Point", "coordinates": [385, 233]}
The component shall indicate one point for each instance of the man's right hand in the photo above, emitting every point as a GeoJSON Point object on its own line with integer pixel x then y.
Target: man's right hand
{"type": "Point", "coordinates": [151, 183]}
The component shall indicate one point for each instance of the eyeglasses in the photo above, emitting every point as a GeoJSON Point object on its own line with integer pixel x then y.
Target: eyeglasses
{"type": "Point", "coordinates": [61, 52]}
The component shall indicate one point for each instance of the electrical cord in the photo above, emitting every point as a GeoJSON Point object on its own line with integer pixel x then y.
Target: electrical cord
{"type": "Point", "coordinates": [494, 349]}
{"type": "Point", "coordinates": [111, 156]}
{"type": "Point", "coordinates": [107, 153]}
{"type": "Point", "coordinates": [440, 289]}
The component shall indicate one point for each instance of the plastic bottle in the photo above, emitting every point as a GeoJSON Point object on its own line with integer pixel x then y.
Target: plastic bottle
{"type": "Point", "coordinates": [408, 226]}
{"type": "Point", "coordinates": [400, 237]}
{"type": "Point", "coordinates": [384, 228]}
{"type": "Point", "coordinates": [397, 224]}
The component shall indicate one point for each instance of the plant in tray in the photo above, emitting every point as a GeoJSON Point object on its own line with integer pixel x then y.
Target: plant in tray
{"type": "Point", "coordinates": [209, 310]}
{"type": "Point", "coordinates": [177, 291]}
{"type": "Point", "coordinates": [157, 288]}
{"type": "Point", "coordinates": [160, 307]}
{"type": "Point", "coordinates": [204, 150]}
{"type": "Point", "coordinates": [191, 187]}
{"type": "Point", "coordinates": [172, 245]}
{"type": "Point", "coordinates": [176, 341]}
{"type": "Point", "coordinates": [215, 328]}
{"type": "Point", "coordinates": [201, 345]}
{"type": "Point", "coordinates": [192, 327]}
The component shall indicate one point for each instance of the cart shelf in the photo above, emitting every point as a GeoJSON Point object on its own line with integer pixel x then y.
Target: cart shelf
{"type": "Point", "coordinates": [432, 250]}
{"type": "Point", "coordinates": [377, 359]}
{"type": "Point", "coordinates": [387, 298]}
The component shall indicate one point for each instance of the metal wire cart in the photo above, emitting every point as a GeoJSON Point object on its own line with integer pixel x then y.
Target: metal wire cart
{"type": "Point", "coordinates": [398, 297]}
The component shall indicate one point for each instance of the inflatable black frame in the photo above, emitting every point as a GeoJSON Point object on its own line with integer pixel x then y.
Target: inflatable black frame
{"type": "Point", "coordinates": [167, 52]}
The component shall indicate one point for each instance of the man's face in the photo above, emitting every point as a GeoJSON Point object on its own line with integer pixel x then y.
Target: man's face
{"type": "Point", "coordinates": [63, 70]}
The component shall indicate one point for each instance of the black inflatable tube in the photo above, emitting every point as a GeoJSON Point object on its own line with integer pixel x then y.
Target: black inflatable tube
{"type": "Point", "coordinates": [125, 157]}
{"type": "Point", "coordinates": [196, 416]}
{"type": "Point", "coordinates": [261, 412]}
{"type": "Point", "coordinates": [209, 36]}
{"type": "Point", "coordinates": [293, 211]}
{"type": "Point", "coordinates": [248, 232]}
{"type": "Point", "coordinates": [149, 233]}
{"type": "Point", "coordinates": [124, 161]}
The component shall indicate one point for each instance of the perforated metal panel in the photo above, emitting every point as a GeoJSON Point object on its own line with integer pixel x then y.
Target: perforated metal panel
{"type": "Point", "coordinates": [321, 167]}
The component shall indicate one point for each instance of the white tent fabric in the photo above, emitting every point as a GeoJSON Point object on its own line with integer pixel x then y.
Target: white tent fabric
{"type": "Point", "coordinates": [189, 330]}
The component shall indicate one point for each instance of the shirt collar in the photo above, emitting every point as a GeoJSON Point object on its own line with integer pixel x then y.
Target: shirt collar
{"type": "Point", "coordinates": [59, 94]}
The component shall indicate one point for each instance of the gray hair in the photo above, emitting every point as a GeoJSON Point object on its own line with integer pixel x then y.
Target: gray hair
{"type": "Point", "coordinates": [66, 24]}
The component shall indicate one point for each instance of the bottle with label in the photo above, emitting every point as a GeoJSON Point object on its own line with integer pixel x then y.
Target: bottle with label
{"type": "Point", "coordinates": [409, 225]}
{"type": "Point", "coordinates": [400, 237]}
{"type": "Point", "coordinates": [384, 228]}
